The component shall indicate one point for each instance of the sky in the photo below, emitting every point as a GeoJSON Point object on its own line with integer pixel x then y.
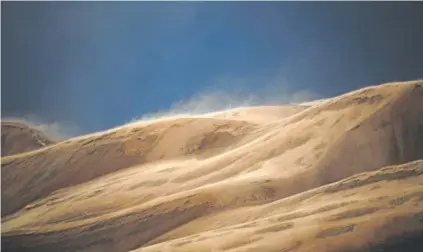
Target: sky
{"type": "Point", "coordinates": [90, 66]}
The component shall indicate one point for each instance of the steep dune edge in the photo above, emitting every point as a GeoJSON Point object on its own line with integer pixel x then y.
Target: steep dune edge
{"type": "Point", "coordinates": [191, 191]}
{"type": "Point", "coordinates": [392, 135]}
{"type": "Point", "coordinates": [18, 138]}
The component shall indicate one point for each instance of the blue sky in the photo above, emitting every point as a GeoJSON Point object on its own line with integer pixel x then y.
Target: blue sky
{"type": "Point", "coordinates": [100, 64]}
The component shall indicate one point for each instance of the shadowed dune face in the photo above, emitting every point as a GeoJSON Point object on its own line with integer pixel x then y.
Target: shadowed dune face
{"type": "Point", "coordinates": [18, 138]}
{"type": "Point", "coordinates": [344, 174]}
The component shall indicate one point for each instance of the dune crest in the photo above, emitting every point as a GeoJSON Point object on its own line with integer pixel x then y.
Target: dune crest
{"type": "Point", "coordinates": [17, 138]}
{"type": "Point", "coordinates": [326, 176]}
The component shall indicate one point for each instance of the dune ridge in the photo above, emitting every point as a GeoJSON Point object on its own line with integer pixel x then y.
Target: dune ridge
{"type": "Point", "coordinates": [327, 176]}
{"type": "Point", "coordinates": [18, 137]}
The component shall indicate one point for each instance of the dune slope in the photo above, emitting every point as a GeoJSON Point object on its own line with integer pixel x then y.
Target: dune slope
{"type": "Point", "coordinates": [18, 138]}
{"type": "Point", "coordinates": [310, 178]}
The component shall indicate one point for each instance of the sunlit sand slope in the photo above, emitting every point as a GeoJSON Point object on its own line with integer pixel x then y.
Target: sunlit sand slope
{"type": "Point", "coordinates": [310, 178]}
{"type": "Point", "coordinates": [366, 212]}
{"type": "Point", "coordinates": [261, 114]}
{"type": "Point", "coordinates": [362, 212]}
{"type": "Point", "coordinates": [38, 173]}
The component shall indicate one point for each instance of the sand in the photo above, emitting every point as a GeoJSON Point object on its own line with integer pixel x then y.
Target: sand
{"type": "Point", "coordinates": [17, 138]}
{"type": "Point", "coordinates": [341, 174]}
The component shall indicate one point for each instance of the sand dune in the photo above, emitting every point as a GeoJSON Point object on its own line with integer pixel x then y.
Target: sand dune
{"type": "Point", "coordinates": [336, 175]}
{"type": "Point", "coordinates": [18, 138]}
{"type": "Point", "coordinates": [71, 162]}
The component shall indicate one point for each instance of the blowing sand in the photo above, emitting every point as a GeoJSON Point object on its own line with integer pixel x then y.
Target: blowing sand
{"type": "Point", "coordinates": [17, 138]}
{"type": "Point", "coordinates": [343, 174]}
